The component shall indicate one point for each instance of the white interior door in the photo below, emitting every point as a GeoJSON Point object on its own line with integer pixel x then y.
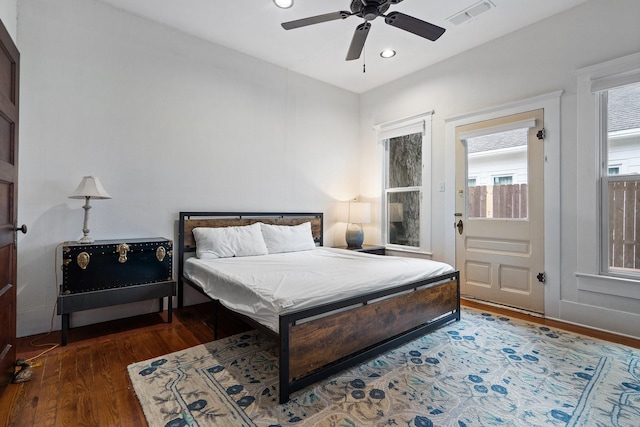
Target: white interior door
{"type": "Point", "coordinates": [499, 210]}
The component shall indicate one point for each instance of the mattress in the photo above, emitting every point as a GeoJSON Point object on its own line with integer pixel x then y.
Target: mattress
{"type": "Point", "coordinates": [263, 287]}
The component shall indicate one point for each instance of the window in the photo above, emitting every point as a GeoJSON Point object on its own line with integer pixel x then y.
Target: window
{"type": "Point", "coordinates": [404, 188]}
{"type": "Point", "coordinates": [497, 156]}
{"type": "Point", "coordinates": [502, 180]}
{"type": "Point", "coordinates": [619, 110]}
{"type": "Point", "coordinates": [598, 127]}
{"type": "Point", "coordinates": [406, 216]}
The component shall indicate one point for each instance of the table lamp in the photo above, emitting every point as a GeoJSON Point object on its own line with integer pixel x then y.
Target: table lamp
{"type": "Point", "coordinates": [90, 187]}
{"type": "Point", "coordinates": [359, 213]}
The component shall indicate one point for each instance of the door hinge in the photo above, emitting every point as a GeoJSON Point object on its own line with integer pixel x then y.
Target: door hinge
{"type": "Point", "coordinates": [542, 277]}
{"type": "Point", "coordinates": [541, 134]}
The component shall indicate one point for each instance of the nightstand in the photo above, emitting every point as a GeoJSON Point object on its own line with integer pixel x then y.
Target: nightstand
{"type": "Point", "coordinates": [111, 272]}
{"type": "Point", "coordinates": [369, 249]}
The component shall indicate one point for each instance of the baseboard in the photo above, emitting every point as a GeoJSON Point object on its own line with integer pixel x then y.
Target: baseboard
{"type": "Point", "coordinates": [599, 318]}
{"type": "Point", "coordinates": [505, 307]}
{"type": "Point", "coordinates": [35, 322]}
{"type": "Point", "coordinates": [585, 316]}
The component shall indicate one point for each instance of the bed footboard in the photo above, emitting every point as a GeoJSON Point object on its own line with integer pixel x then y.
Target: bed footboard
{"type": "Point", "coordinates": [315, 349]}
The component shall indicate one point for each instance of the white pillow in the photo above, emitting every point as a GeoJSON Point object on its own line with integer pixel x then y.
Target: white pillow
{"type": "Point", "coordinates": [225, 242]}
{"type": "Point", "coordinates": [288, 238]}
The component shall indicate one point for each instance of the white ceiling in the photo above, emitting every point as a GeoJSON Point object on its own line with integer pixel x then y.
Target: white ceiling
{"type": "Point", "coordinates": [253, 27]}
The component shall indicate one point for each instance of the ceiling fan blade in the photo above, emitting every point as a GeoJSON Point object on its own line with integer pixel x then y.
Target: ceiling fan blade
{"type": "Point", "coordinates": [316, 19]}
{"type": "Point", "coordinates": [414, 25]}
{"type": "Point", "coordinates": [357, 42]}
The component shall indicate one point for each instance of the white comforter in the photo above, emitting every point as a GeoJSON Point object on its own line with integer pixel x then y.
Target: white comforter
{"type": "Point", "coordinates": [263, 287]}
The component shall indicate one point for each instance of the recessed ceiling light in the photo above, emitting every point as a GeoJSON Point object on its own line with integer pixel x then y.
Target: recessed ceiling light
{"type": "Point", "coordinates": [388, 53]}
{"type": "Point", "coordinates": [283, 4]}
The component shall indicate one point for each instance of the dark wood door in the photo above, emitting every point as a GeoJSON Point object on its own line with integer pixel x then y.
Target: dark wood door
{"type": "Point", "coordinates": [9, 78]}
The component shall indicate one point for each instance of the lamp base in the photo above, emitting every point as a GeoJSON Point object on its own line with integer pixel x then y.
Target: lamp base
{"type": "Point", "coordinates": [354, 236]}
{"type": "Point", "coordinates": [85, 225]}
{"type": "Point", "coordinates": [86, 239]}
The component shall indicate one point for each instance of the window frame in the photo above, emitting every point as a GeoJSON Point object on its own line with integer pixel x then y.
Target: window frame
{"type": "Point", "coordinates": [602, 117]}
{"type": "Point", "coordinates": [420, 123]}
{"type": "Point", "coordinates": [592, 79]}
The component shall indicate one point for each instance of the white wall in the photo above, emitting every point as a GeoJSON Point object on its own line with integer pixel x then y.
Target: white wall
{"type": "Point", "coordinates": [9, 16]}
{"type": "Point", "coordinates": [536, 60]}
{"type": "Point", "coordinates": [168, 122]}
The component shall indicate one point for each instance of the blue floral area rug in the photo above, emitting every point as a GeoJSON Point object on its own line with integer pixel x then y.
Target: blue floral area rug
{"type": "Point", "coordinates": [484, 370]}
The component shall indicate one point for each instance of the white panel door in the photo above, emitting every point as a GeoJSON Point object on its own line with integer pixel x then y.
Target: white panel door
{"type": "Point", "coordinates": [499, 210]}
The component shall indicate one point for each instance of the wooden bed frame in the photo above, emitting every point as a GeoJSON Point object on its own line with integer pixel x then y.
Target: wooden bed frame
{"type": "Point", "coordinates": [374, 323]}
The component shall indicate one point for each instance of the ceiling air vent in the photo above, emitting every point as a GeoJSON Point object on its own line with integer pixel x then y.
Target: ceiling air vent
{"type": "Point", "coordinates": [470, 12]}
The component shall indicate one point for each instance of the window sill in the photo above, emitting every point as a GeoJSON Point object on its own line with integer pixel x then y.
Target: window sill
{"type": "Point", "coordinates": [609, 285]}
{"type": "Point", "coordinates": [390, 249]}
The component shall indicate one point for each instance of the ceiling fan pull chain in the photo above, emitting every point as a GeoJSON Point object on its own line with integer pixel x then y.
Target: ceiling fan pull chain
{"type": "Point", "coordinates": [364, 62]}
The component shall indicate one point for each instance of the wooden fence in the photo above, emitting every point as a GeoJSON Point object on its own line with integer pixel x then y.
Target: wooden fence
{"type": "Point", "coordinates": [498, 201]}
{"type": "Point", "coordinates": [624, 225]}
{"type": "Point", "coordinates": [510, 201]}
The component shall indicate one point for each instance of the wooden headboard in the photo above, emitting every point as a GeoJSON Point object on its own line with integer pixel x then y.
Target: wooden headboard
{"type": "Point", "coordinates": [190, 220]}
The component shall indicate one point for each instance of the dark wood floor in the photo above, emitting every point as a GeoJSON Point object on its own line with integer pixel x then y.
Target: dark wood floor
{"type": "Point", "coordinates": [86, 382]}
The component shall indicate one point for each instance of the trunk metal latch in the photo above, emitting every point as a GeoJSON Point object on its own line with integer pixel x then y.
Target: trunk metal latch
{"type": "Point", "coordinates": [122, 249]}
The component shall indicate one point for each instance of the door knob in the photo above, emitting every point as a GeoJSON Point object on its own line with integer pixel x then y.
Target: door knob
{"type": "Point", "coordinates": [23, 229]}
{"type": "Point", "coordinates": [460, 226]}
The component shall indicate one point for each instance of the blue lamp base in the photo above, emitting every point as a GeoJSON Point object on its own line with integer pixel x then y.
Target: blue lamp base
{"type": "Point", "coordinates": [354, 236]}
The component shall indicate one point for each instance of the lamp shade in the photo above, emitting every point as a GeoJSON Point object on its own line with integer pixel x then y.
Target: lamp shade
{"type": "Point", "coordinates": [359, 213]}
{"type": "Point", "coordinates": [90, 186]}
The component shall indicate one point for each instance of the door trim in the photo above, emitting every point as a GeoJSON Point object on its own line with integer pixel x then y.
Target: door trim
{"type": "Point", "coordinates": [550, 102]}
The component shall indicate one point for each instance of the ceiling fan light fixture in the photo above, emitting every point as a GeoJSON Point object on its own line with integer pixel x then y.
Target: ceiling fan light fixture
{"type": "Point", "coordinates": [283, 4]}
{"type": "Point", "coordinates": [388, 53]}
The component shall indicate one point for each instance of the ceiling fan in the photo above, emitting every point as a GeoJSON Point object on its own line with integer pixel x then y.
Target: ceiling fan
{"type": "Point", "coordinates": [370, 10]}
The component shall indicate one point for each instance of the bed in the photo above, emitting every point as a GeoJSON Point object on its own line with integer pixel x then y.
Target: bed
{"type": "Point", "coordinates": [323, 323]}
